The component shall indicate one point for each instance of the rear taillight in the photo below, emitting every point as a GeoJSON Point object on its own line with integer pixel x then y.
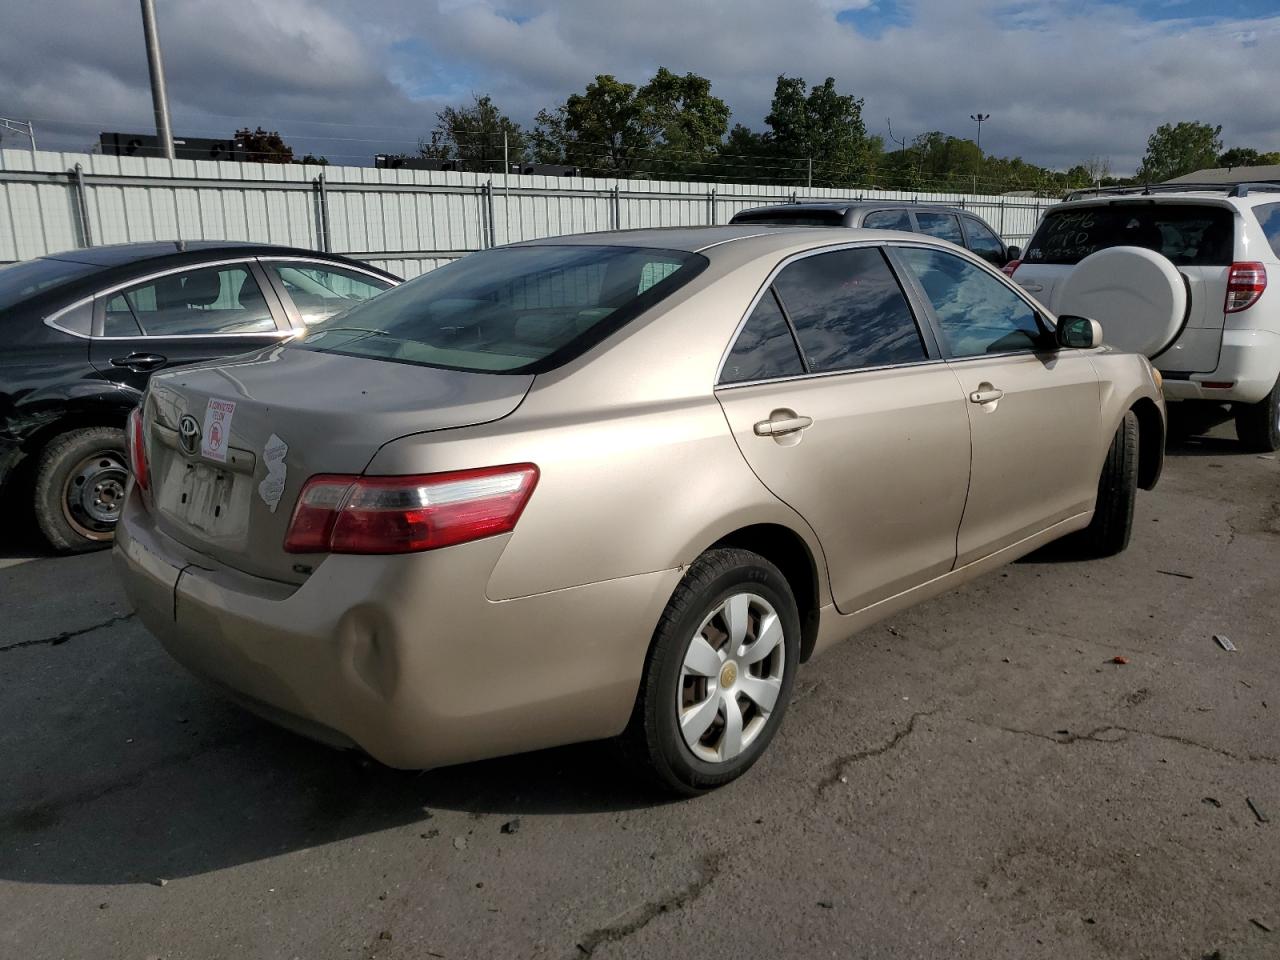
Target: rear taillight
{"type": "Point", "coordinates": [1010, 267]}
{"type": "Point", "coordinates": [136, 442]}
{"type": "Point", "coordinates": [350, 514]}
{"type": "Point", "coordinates": [1245, 284]}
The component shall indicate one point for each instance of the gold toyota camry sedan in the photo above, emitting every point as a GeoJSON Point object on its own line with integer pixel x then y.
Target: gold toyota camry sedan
{"type": "Point", "coordinates": [617, 484]}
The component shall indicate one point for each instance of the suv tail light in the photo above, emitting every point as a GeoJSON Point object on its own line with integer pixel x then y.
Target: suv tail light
{"type": "Point", "coordinates": [353, 514]}
{"type": "Point", "coordinates": [1245, 284]}
{"type": "Point", "coordinates": [135, 441]}
{"type": "Point", "coordinates": [1010, 267]}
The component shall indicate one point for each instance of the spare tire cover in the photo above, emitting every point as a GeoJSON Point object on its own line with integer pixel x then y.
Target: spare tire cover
{"type": "Point", "coordinates": [1136, 294]}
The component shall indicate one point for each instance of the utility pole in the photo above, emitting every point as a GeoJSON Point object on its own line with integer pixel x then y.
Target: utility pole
{"type": "Point", "coordinates": [980, 118]}
{"type": "Point", "coordinates": [159, 96]}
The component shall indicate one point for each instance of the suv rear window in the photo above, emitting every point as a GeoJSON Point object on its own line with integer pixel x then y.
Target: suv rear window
{"type": "Point", "coordinates": [1191, 235]}
{"type": "Point", "coordinates": [802, 217]}
{"type": "Point", "coordinates": [510, 310]}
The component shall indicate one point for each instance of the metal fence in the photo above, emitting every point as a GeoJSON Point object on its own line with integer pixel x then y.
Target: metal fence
{"type": "Point", "coordinates": [405, 221]}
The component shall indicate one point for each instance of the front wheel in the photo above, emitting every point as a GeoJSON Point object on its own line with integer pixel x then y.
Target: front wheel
{"type": "Point", "coordinates": [79, 488]}
{"type": "Point", "coordinates": [719, 672]}
{"type": "Point", "coordinates": [1108, 532]}
{"type": "Point", "coordinates": [1258, 424]}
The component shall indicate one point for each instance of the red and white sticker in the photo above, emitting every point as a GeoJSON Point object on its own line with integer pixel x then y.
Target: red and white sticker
{"type": "Point", "coordinates": [216, 436]}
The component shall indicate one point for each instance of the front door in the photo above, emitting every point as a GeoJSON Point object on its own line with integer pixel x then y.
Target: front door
{"type": "Point", "coordinates": [186, 316]}
{"type": "Point", "coordinates": [864, 432]}
{"type": "Point", "coordinates": [1034, 409]}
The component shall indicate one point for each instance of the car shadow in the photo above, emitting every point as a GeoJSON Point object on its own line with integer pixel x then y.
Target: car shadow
{"type": "Point", "coordinates": [241, 790]}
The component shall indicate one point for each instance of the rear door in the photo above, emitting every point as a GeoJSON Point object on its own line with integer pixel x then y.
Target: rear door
{"type": "Point", "coordinates": [184, 316]}
{"type": "Point", "coordinates": [865, 433]}
{"type": "Point", "coordinates": [1033, 408]}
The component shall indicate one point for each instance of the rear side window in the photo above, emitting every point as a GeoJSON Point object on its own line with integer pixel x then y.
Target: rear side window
{"type": "Point", "coordinates": [848, 311]}
{"type": "Point", "coordinates": [944, 226]}
{"type": "Point", "coordinates": [799, 218]}
{"type": "Point", "coordinates": [205, 301]}
{"type": "Point", "coordinates": [1268, 215]}
{"type": "Point", "coordinates": [509, 310]}
{"type": "Point", "coordinates": [985, 243]}
{"type": "Point", "coordinates": [1191, 235]}
{"type": "Point", "coordinates": [887, 220]}
{"type": "Point", "coordinates": [765, 348]}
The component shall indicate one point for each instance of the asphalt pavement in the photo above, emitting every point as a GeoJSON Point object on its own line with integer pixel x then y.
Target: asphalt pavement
{"type": "Point", "coordinates": [979, 777]}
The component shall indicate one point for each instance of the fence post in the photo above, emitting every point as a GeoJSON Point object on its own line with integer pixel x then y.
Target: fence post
{"type": "Point", "coordinates": [82, 205]}
{"type": "Point", "coordinates": [617, 208]}
{"type": "Point", "coordinates": [711, 206]}
{"type": "Point", "coordinates": [1001, 229]}
{"type": "Point", "coordinates": [488, 196]}
{"type": "Point", "coordinates": [326, 241]}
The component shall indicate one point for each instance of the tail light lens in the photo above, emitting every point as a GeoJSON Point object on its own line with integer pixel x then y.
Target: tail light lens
{"type": "Point", "coordinates": [353, 514]}
{"type": "Point", "coordinates": [1245, 284]}
{"type": "Point", "coordinates": [135, 441]}
{"type": "Point", "coordinates": [1009, 268]}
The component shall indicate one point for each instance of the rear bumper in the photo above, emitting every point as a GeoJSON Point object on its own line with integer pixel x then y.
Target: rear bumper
{"type": "Point", "coordinates": [402, 656]}
{"type": "Point", "coordinates": [1249, 361]}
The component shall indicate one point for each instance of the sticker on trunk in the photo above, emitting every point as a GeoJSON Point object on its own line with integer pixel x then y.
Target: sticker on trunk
{"type": "Point", "coordinates": [271, 489]}
{"type": "Point", "coordinates": [216, 436]}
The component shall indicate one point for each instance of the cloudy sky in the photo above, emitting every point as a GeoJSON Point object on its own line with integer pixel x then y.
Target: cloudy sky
{"type": "Point", "coordinates": [1063, 80]}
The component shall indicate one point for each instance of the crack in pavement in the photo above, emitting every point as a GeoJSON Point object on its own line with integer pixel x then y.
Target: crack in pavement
{"type": "Point", "coordinates": [66, 635]}
{"type": "Point", "coordinates": [708, 870]}
{"type": "Point", "coordinates": [838, 765]}
{"type": "Point", "coordinates": [1096, 736]}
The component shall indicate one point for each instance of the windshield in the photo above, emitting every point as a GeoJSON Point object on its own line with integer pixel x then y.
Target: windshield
{"type": "Point", "coordinates": [1188, 234]}
{"type": "Point", "coordinates": [510, 310]}
{"type": "Point", "coordinates": [21, 280]}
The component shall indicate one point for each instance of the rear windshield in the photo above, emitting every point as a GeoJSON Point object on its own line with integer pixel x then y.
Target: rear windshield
{"type": "Point", "coordinates": [1190, 235]}
{"type": "Point", "coordinates": [801, 218]}
{"type": "Point", "coordinates": [510, 310]}
{"type": "Point", "coordinates": [21, 280]}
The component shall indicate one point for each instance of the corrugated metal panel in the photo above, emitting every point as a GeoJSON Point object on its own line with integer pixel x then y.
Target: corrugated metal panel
{"type": "Point", "coordinates": [409, 221]}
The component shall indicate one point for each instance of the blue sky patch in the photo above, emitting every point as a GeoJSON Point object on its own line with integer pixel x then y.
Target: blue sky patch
{"type": "Point", "coordinates": [873, 20]}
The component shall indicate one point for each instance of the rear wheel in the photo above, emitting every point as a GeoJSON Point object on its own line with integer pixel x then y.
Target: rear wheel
{"type": "Point", "coordinates": [79, 488]}
{"type": "Point", "coordinates": [1258, 424]}
{"type": "Point", "coordinates": [1108, 531]}
{"type": "Point", "coordinates": [719, 673]}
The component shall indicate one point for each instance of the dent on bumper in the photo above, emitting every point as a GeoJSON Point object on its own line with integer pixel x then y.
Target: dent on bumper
{"type": "Point", "coordinates": [403, 656]}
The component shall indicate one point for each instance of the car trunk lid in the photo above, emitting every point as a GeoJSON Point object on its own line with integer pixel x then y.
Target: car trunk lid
{"type": "Point", "coordinates": [232, 443]}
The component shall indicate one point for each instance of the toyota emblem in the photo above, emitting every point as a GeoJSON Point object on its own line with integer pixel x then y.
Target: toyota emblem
{"type": "Point", "coordinates": [189, 434]}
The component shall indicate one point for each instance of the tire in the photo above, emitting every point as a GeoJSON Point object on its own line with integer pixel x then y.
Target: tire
{"type": "Point", "coordinates": [1108, 532]}
{"type": "Point", "coordinates": [79, 488]}
{"type": "Point", "coordinates": [1258, 424]}
{"type": "Point", "coordinates": [670, 688]}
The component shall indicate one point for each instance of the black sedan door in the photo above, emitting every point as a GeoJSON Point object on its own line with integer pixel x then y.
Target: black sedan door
{"type": "Point", "coordinates": [184, 316]}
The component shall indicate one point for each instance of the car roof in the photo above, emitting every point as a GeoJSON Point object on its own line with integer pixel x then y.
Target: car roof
{"type": "Point", "coordinates": [844, 206]}
{"type": "Point", "coordinates": [715, 241]}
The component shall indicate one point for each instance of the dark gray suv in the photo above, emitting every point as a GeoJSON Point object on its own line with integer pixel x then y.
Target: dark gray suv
{"type": "Point", "coordinates": [948, 223]}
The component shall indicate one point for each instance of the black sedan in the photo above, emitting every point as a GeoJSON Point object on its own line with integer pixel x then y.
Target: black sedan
{"type": "Point", "coordinates": [81, 332]}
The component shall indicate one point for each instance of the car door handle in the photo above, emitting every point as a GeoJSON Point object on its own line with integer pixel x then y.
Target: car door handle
{"type": "Point", "coordinates": [139, 361]}
{"type": "Point", "coordinates": [986, 394]}
{"type": "Point", "coordinates": [782, 423]}
{"type": "Point", "coordinates": [1032, 287]}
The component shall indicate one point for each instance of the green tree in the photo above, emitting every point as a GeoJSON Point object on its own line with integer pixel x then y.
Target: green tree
{"type": "Point", "coordinates": [671, 126]}
{"type": "Point", "coordinates": [474, 134]}
{"type": "Point", "coordinates": [1178, 149]}
{"type": "Point", "coordinates": [821, 125]}
{"type": "Point", "coordinates": [1247, 157]}
{"type": "Point", "coordinates": [263, 146]}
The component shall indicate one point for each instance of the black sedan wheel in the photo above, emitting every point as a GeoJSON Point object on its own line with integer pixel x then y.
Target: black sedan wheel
{"type": "Point", "coordinates": [79, 489]}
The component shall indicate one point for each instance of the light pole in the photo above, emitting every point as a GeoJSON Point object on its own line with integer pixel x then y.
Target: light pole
{"type": "Point", "coordinates": [980, 119]}
{"type": "Point", "coordinates": [159, 97]}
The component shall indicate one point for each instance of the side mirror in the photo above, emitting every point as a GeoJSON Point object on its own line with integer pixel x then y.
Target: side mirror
{"type": "Point", "coordinates": [1013, 253]}
{"type": "Point", "coordinates": [1079, 333]}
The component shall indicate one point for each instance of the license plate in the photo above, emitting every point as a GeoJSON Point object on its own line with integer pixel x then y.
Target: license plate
{"type": "Point", "coordinates": [206, 493]}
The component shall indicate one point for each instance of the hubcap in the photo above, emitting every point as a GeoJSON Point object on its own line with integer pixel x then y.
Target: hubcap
{"type": "Point", "coordinates": [94, 494]}
{"type": "Point", "coordinates": [730, 678]}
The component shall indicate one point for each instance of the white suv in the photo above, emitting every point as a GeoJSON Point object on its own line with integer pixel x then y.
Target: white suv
{"type": "Point", "coordinates": [1224, 241]}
